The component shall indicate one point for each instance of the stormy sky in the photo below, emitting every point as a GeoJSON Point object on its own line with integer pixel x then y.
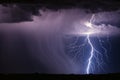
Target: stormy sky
{"type": "Point", "coordinates": [32, 40]}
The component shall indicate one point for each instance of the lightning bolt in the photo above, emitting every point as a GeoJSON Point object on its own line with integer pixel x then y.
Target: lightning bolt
{"type": "Point", "coordinates": [94, 52]}
{"type": "Point", "coordinates": [77, 48]}
{"type": "Point", "coordinates": [91, 54]}
{"type": "Point", "coordinates": [92, 48]}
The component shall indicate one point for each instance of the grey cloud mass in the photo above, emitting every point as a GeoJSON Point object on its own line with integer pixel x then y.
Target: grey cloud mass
{"type": "Point", "coordinates": [38, 45]}
{"type": "Point", "coordinates": [12, 14]}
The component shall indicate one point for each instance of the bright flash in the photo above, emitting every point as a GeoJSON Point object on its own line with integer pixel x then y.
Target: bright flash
{"type": "Point", "coordinates": [90, 29]}
{"type": "Point", "coordinates": [89, 32]}
{"type": "Point", "coordinates": [88, 24]}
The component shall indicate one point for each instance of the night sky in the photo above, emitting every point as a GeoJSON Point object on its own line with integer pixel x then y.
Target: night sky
{"type": "Point", "coordinates": [35, 40]}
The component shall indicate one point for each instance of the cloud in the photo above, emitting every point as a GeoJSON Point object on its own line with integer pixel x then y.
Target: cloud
{"type": "Point", "coordinates": [110, 17]}
{"type": "Point", "coordinates": [43, 39]}
{"type": "Point", "coordinates": [38, 45]}
{"type": "Point", "coordinates": [12, 14]}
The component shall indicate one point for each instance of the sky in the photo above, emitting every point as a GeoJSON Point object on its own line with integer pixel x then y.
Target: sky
{"type": "Point", "coordinates": [36, 42]}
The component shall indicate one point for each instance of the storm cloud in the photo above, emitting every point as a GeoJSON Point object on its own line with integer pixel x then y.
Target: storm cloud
{"type": "Point", "coordinates": [37, 46]}
{"type": "Point", "coordinates": [34, 42]}
{"type": "Point", "coordinates": [13, 13]}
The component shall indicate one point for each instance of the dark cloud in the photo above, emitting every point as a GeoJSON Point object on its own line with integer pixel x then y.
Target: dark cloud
{"type": "Point", "coordinates": [18, 12]}
{"type": "Point", "coordinates": [13, 13]}
{"type": "Point", "coordinates": [93, 6]}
